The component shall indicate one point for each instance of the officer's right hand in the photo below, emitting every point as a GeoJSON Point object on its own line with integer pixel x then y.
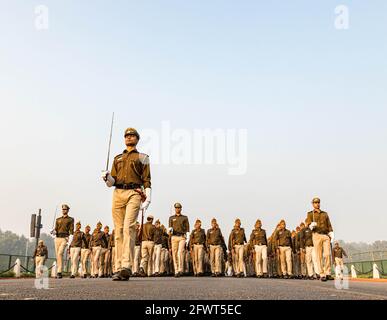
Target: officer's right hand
{"type": "Point", "coordinates": [53, 232]}
{"type": "Point", "coordinates": [313, 225]}
{"type": "Point", "coordinates": [107, 177]}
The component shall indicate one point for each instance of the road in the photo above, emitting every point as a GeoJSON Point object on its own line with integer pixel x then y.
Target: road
{"type": "Point", "coordinates": [190, 288]}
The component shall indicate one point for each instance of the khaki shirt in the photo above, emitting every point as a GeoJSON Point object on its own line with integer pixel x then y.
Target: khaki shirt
{"type": "Point", "coordinates": [77, 240]}
{"type": "Point", "coordinates": [284, 238]}
{"type": "Point", "coordinates": [258, 237]}
{"type": "Point", "coordinates": [179, 224]}
{"type": "Point", "coordinates": [132, 167]}
{"type": "Point", "coordinates": [197, 237]}
{"type": "Point", "coordinates": [112, 241]}
{"type": "Point", "coordinates": [307, 238]}
{"type": "Point", "coordinates": [237, 237]}
{"type": "Point", "coordinates": [41, 251]}
{"type": "Point", "coordinates": [323, 223]}
{"type": "Point", "coordinates": [214, 237]}
{"type": "Point", "coordinates": [96, 238]}
{"type": "Point", "coordinates": [148, 232]}
{"type": "Point", "coordinates": [64, 226]}
{"type": "Point", "coordinates": [86, 241]}
{"type": "Point", "coordinates": [158, 235]}
{"type": "Point", "coordinates": [339, 253]}
{"type": "Point", "coordinates": [105, 240]}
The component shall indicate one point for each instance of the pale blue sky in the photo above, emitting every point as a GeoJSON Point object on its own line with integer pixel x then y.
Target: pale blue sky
{"type": "Point", "coordinates": [312, 98]}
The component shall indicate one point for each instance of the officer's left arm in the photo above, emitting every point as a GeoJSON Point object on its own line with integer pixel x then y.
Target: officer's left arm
{"type": "Point", "coordinates": [146, 175]}
{"type": "Point", "coordinates": [330, 229]}
{"type": "Point", "coordinates": [71, 231]}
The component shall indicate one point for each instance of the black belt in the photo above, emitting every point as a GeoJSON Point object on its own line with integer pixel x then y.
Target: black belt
{"type": "Point", "coordinates": [62, 235]}
{"type": "Point", "coordinates": [178, 234]}
{"type": "Point", "coordinates": [198, 244]}
{"type": "Point", "coordinates": [128, 186]}
{"type": "Point", "coordinates": [261, 244]}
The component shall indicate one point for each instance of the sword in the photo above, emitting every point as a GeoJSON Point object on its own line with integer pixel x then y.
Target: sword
{"type": "Point", "coordinates": [109, 146]}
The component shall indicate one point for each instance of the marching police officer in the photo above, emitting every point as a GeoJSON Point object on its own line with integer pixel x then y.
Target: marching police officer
{"type": "Point", "coordinates": [130, 174]}
{"type": "Point", "coordinates": [96, 248]}
{"type": "Point", "coordinates": [64, 228]}
{"type": "Point", "coordinates": [236, 243]}
{"type": "Point", "coordinates": [320, 224]}
{"type": "Point", "coordinates": [147, 247]}
{"type": "Point", "coordinates": [283, 238]}
{"type": "Point", "coordinates": [197, 243]}
{"type": "Point", "coordinates": [179, 227]}
{"type": "Point", "coordinates": [258, 242]}
{"type": "Point", "coordinates": [40, 256]}
{"type": "Point", "coordinates": [215, 242]}
{"type": "Point", "coordinates": [75, 249]}
{"type": "Point", "coordinates": [85, 251]}
{"type": "Point", "coordinates": [338, 254]}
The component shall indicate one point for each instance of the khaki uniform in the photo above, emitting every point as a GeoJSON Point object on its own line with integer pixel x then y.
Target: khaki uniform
{"type": "Point", "coordinates": [236, 245]}
{"type": "Point", "coordinates": [321, 240]}
{"type": "Point", "coordinates": [180, 226]}
{"type": "Point", "coordinates": [147, 247]}
{"type": "Point", "coordinates": [285, 245]}
{"type": "Point", "coordinates": [64, 227]}
{"type": "Point", "coordinates": [310, 256]}
{"type": "Point", "coordinates": [75, 251]}
{"type": "Point", "coordinates": [137, 254]}
{"type": "Point", "coordinates": [157, 249]}
{"type": "Point", "coordinates": [164, 267]}
{"type": "Point", "coordinates": [215, 241]}
{"type": "Point", "coordinates": [258, 242]}
{"type": "Point", "coordinates": [112, 252]}
{"type": "Point", "coordinates": [85, 254]}
{"type": "Point", "coordinates": [40, 255]}
{"type": "Point", "coordinates": [197, 242]}
{"type": "Point", "coordinates": [96, 248]}
{"type": "Point", "coordinates": [131, 171]}
{"type": "Point", "coordinates": [338, 254]}
{"type": "Point", "coordinates": [105, 257]}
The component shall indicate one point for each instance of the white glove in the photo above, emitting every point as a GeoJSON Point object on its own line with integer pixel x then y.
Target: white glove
{"type": "Point", "coordinates": [313, 225]}
{"type": "Point", "coordinates": [332, 236]}
{"type": "Point", "coordinates": [170, 230]}
{"type": "Point", "coordinates": [107, 177]}
{"type": "Point", "coordinates": [53, 232]}
{"type": "Point", "coordinates": [70, 239]}
{"type": "Point", "coordinates": [146, 203]}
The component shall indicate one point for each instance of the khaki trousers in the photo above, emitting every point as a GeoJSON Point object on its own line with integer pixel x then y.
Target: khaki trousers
{"type": "Point", "coordinates": [125, 208]}
{"type": "Point", "coordinates": [157, 258]}
{"type": "Point", "coordinates": [85, 254]}
{"type": "Point", "coordinates": [164, 260]}
{"type": "Point", "coordinates": [238, 256]}
{"type": "Point", "coordinates": [60, 246]}
{"type": "Point", "coordinates": [198, 252]}
{"type": "Point", "coordinates": [339, 267]}
{"type": "Point", "coordinates": [75, 255]}
{"type": "Point", "coordinates": [215, 258]}
{"type": "Point", "coordinates": [39, 263]}
{"type": "Point", "coordinates": [322, 245]}
{"type": "Point", "coordinates": [309, 257]}
{"type": "Point", "coordinates": [147, 256]}
{"type": "Point", "coordinates": [178, 252]}
{"type": "Point", "coordinates": [286, 260]}
{"type": "Point", "coordinates": [104, 261]}
{"type": "Point", "coordinates": [96, 252]}
{"type": "Point", "coordinates": [137, 258]}
{"type": "Point", "coordinates": [260, 260]}
{"type": "Point", "coordinates": [114, 270]}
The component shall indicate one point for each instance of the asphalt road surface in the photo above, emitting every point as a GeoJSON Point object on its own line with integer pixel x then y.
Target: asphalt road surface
{"type": "Point", "coordinates": [191, 289]}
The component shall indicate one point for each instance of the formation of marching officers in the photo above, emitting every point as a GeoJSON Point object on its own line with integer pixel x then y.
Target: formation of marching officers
{"type": "Point", "coordinates": [154, 250]}
{"type": "Point", "coordinates": [304, 253]}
